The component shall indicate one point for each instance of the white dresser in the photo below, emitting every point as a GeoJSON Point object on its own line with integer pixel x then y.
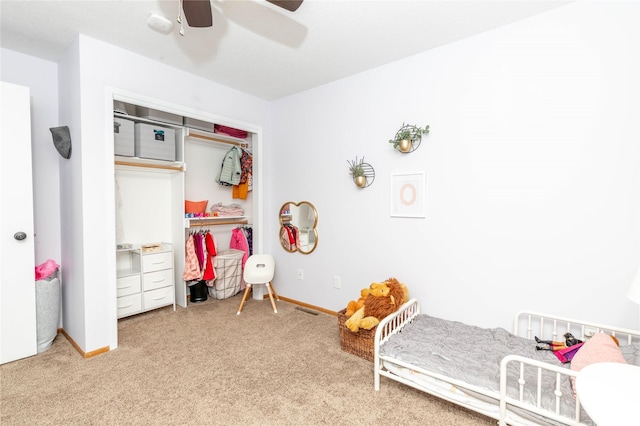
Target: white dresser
{"type": "Point", "coordinates": [145, 278]}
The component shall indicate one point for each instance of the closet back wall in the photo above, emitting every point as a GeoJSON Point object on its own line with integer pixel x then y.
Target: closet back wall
{"type": "Point", "coordinates": [204, 160]}
{"type": "Point", "coordinates": [143, 207]}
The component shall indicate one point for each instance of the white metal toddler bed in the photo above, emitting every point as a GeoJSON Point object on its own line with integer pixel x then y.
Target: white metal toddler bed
{"type": "Point", "coordinates": [490, 371]}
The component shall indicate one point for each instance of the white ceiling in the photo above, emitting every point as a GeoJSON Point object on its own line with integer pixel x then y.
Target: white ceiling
{"type": "Point", "coordinates": [256, 47]}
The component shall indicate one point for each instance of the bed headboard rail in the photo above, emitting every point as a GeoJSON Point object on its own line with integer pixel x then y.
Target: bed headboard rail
{"type": "Point", "coordinates": [393, 323]}
{"type": "Point", "coordinates": [530, 324]}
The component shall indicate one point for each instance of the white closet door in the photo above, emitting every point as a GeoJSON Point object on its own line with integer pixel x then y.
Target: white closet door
{"type": "Point", "coordinates": [17, 276]}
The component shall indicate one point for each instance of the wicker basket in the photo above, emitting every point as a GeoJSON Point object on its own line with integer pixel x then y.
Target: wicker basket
{"type": "Point", "coordinates": [360, 343]}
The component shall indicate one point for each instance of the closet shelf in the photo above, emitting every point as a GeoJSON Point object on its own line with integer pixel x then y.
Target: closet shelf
{"type": "Point", "coordinates": [190, 131]}
{"type": "Point", "coordinates": [220, 220]}
{"type": "Point", "coordinates": [217, 137]}
{"type": "Point", "coordinates": [149, 164]}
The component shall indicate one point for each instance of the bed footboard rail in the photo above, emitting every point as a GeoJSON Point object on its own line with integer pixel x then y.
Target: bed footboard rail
{"type": "Point", "coordinates": [389, 326]}
{"type": "Point", "coordinates": [525, 381]}
{"type": "Point", "coordinates": [529, 324]}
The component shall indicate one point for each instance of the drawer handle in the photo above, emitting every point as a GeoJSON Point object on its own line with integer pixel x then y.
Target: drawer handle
{"type": "Point", "coordinates": [129, 286]}
{"type": "Point", "coordinates": [127, 306]}
{"type": "Point", "coordinates": [158, 281]}
{"type": "Point", "coordinates": [157, 263]}
{"type": "Point", "coordinates": [159, 298]}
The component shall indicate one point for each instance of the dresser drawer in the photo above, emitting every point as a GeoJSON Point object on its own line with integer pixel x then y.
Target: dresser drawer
{"type": "Point", "coordinates": [156, 298]}
{"type": "Point", "coordinates": [128, 285]}
{"type": "Point", "coordinates": [159, 279]}
{"type": "Point", "coordinates": [157, 261]}
{"type": "Point", "coordinates": [128, 305]}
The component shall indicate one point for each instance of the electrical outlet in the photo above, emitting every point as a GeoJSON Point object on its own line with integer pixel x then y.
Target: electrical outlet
{"type": "Point", "coordinates": [300, 274]}
{"type": "Point", "coordinates": [336, 282]}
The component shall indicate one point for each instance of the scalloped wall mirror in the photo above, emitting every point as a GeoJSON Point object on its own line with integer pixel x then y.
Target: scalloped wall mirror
{"type": "Point", "coordinates": [298, 223]}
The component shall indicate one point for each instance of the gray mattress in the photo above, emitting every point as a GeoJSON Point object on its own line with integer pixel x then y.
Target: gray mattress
{"type": "Point", "coordinates": [465, 352]}
{"type": "Point", "coordinates": [473, 355]}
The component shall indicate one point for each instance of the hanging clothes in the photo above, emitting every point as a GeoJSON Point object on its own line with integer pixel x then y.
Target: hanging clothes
{"type": "Point", "coordinates": [209, 271]}
{"type": "Point", "coordinates": [191, 265]}
{"type": "Point", "coordinates": [231, 170]}
{"type": "Point", "coordinates": [246, 166]}
{"type": "Point", "coordinates": [239, 242]}
{"type": "Point", "coordinates": [198, 243]}
{"type": "Point", "coordinates": [248, 232]}
{"type": "Point", "coordinates": [241, 190]}
{"type": "Point", "coordinates": [290, 237]}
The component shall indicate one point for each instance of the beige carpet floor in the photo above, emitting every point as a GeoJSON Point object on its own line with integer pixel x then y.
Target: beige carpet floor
{"type": "Point", "coordinates": [205, 365]}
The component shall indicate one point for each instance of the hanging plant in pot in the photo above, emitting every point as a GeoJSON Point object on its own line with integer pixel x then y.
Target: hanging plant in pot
{"type": "Point", "coordinates": [357, 172]}
{"type": "Point", "coordinates": [408, 136]}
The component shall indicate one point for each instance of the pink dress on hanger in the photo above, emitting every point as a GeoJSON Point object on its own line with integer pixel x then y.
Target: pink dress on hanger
{"type": "Point", "coordinates": [239, 242]}
{"type": "Point", "coordinates": [191, 264]}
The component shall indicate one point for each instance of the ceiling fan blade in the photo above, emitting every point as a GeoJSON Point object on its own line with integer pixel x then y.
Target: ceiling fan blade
{"type": "Point", "coordinates": [290, 5]}
{"type": "Point", "coordinates": [198, 13]}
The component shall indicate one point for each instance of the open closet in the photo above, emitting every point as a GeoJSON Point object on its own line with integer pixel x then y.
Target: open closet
{"type": "Point", "coordinates": [169, 185]}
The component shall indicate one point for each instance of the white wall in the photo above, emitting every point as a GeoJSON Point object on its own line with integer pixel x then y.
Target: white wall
{"type": "Point", "coordinates": [531, 165]}
{"type": "Point", "coordinates": [532, 172]}
{"type": "Point", "coordinates": [42, 79]}
{"type": "Point", "coordinates": [84, 221]}
{"type": "Point", "coordinates": [92, 70]}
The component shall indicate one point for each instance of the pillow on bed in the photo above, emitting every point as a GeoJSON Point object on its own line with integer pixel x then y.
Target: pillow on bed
{"type": "Point", "coordinates": [600, 348]}
{"type": "Point", "coordinates": [195, 206]}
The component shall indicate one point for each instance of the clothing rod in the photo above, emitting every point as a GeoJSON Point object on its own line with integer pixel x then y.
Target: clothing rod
{"type": "Point", "coordinates": [150, 166]}
{"type": "Point", "coordinates": [219, 222]}
{"type": "Point", "coordinates": [214, 139]}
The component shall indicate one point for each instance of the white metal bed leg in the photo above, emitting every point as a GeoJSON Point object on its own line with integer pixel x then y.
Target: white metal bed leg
{"type": "Point", "coordinates": [376, 376]}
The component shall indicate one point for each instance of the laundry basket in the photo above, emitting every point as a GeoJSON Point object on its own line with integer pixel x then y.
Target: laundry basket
{"type": "Point", "coordinates": [48, 293]}
{"type": "Point", "coordinates": [228, 268]}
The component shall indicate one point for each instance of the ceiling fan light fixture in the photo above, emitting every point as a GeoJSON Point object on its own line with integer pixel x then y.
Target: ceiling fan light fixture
{"type": "Point", "coordinates": [159, 23]}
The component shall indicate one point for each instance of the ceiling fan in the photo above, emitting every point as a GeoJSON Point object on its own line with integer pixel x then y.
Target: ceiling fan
{"type": "Point", "coordinates": [198, 12]}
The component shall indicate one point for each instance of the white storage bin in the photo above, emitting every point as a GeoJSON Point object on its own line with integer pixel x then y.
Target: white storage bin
{"type": "Point", "coordinates": [155, 142]}
{"type": "Point", "coordinates": [123, 139]}
{"type": "Point", "coordinates": [154, 114]}
{"type": "Point", "coordinates": [192, 123]}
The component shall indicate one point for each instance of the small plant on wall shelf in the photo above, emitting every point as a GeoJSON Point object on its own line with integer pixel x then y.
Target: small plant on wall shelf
{"type": "Point", "coordinates": [355, 167]}
{"type": "Point", "coordinates": [408, 137]}
{"type": "Point", "coordinates": [357, 170]}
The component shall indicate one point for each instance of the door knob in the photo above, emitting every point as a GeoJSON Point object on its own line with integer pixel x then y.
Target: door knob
{"type": "Point", "coordinates": [20, 236]}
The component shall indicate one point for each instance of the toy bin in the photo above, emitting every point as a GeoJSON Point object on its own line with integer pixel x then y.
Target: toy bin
{"type": "Point", "coordinates": [157, 115]}
{"type": "Point", "coordinates": [228, 280]}
{"type": "Point", "coordinates": [123, 139]}
{"type": "Point", "coordinates": [360, 343]}
{"type": "Point", "coordinates": [155, 142]}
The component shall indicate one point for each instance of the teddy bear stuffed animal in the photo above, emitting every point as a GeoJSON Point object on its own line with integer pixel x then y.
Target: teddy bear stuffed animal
{"type": "Point", "coordinates": [385, 298]}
